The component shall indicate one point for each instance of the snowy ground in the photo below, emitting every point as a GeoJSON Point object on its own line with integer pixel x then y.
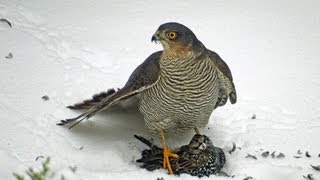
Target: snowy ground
{"type": "Point", "coordinates": [70, 49]}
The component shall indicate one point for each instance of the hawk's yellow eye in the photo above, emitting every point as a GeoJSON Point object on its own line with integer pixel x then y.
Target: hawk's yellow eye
{"type": "Point", "coordinates": [172, 35]}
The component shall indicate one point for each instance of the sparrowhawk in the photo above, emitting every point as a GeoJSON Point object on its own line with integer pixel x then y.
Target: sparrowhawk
{"type": "Point", "coordinates": [178, 88]}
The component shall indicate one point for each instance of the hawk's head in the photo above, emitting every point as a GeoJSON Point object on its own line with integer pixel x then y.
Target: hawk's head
{"type": "Point", "coordinates": [176, 38]}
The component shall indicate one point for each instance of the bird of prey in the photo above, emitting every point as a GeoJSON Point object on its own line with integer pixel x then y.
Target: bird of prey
{"type": "Point", "coordinates": [198, 158]}
{"type": "Point", "coordinates": [178, 88]}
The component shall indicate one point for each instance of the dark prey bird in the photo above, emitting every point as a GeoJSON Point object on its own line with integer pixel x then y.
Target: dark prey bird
{"type": "Point", "coordinates": [198, 158]}
{"type": "Point", "coordinates": [178, 88]}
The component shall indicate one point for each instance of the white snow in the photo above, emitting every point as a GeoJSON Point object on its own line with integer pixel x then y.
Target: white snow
{"type": "Point", "coordinates": [71, 49]}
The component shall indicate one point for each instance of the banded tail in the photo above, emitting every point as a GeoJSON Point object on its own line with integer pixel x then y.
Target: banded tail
{"type": "Point", "coordinates": [89, 103]}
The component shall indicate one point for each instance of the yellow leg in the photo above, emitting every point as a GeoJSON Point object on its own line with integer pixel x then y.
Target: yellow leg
{"type": "Point", "coordinates": [196, 130]}
{"type": "Point", "coordinates": [166, 154]}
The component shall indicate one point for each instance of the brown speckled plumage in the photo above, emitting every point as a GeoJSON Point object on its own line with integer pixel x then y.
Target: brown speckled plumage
{"type": "Point", "coordinates": [198, 158]}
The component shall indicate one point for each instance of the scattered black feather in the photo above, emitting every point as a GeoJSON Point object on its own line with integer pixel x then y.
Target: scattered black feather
{"type": "Point", "coordinates": [273, 154]}
{"type": "Point", "coordinates": [297, 157]}
{"type": "Point", "coordinates": [6, 21]}
{"type": "Point", "coordinates": [280, 155]}
{"type": "Point", "coordinates": [254, 116]}
{"type": "Point", "coordinates": [198, 158]}
{"type": "Point", "coordinates": [307, 154]}
{"type": "Point", "coordinates": [9, 56]}
{"type": "Point", "coordinates": [299, 152]}
{"type": "Point", "coordinates": [315, 167]}
{"type": "Point", "coordinates": [234, 146]}
{"type": "Point", "coordinates": [251, 156]}
{"type": "Point", "coordinates": [73, 168]}
{"type": "Point", "coordinates": [39, 157]}
{"type": "Point", "coordinates": [45, 97]}
{"type": "Point", "coordinates": [265, 154]}
{"type": "Point", "coordinates": [309, 177]}
{"type": "Point", "coordinates": [248, 178]}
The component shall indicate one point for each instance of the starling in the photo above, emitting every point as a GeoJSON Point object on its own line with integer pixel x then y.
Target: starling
{"type": "Point", "coordinates": [198, 158]}
{"type": "Point", "coordinates": [178, 88]}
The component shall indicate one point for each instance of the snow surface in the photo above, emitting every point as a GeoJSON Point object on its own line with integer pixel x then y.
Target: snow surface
{"type": "Point", "coordinates": [71, 49]}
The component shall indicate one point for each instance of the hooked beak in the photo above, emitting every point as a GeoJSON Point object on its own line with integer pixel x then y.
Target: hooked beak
{"type": "Point", "coordinates": [156, 38]}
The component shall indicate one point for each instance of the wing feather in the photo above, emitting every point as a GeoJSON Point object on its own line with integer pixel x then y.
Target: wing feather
{"type": "Point", "coordinates": [143, 77]}
{"type": "Point", "coordinates": [226, 85]}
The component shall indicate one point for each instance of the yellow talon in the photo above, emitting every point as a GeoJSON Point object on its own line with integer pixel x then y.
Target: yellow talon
{"type": "Point", "coordinates": [167, 153]}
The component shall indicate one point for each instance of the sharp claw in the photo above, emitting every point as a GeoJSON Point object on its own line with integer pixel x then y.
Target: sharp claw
{"type": "Point", "coordinates": [166, 159]}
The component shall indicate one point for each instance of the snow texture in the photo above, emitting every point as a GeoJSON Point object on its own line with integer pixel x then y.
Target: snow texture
{"type": "Point", "coordinates": [69, 50]}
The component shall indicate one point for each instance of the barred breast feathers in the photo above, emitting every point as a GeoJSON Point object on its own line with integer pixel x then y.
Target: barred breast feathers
{"type": "Point", "coordinates": [187, 91]}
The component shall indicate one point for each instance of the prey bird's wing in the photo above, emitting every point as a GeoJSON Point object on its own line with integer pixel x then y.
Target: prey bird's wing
{"type": "Point", "coordinates": [143, 77]}
{"type": "Point", "coordinates": [188, 160]}
{"type": "Point", "coordinates": [226, 85]}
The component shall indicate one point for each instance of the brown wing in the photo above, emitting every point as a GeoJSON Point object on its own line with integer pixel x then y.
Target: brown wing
{"type": "Point", "coordinates": [143, 77]}
{"type": "Point", "coordinates": [226, 86]}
